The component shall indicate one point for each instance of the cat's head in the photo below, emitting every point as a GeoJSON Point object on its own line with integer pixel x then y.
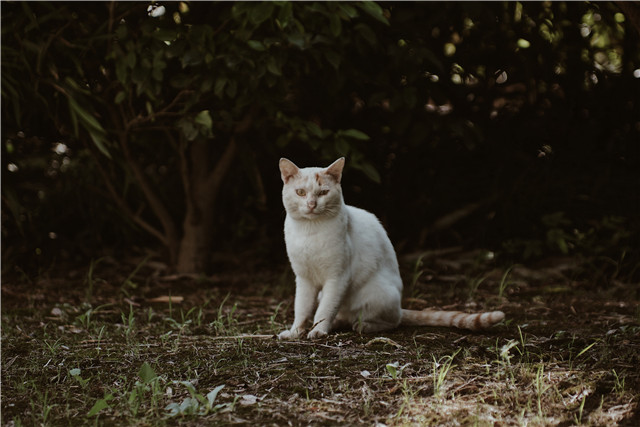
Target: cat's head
{"type": "Point", "coordinates": [311, 193]}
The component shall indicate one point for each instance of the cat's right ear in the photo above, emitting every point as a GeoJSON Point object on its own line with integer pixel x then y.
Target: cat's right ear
{"type": "Point", "coordinates": [287, 169]}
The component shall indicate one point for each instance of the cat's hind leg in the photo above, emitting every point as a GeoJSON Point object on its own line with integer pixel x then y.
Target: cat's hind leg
{"type": "Point", "coordinates": [376, 307]}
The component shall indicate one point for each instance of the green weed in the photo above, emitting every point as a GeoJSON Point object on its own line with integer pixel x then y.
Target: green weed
{"type": "Point", "coordinates": [196, 404]}
{"type": "Point", "coordinates": [441, 368]}
{"type": "Point", "coordinates": [128, 283]}
{"type": "Point", "coordinates": [225, 323]}
{"type": "Point", "coordinates": [75, 374]}
{"type": "Point", "coordinates": [89, 280]}
{"type": "Point", "coordinates": [618, 383]}
{"type": "Point", "coordinates": [504, 283]}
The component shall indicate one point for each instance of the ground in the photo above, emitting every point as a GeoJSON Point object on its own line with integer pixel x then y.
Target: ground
{"type": "Point", "coordinates": [122, 343]}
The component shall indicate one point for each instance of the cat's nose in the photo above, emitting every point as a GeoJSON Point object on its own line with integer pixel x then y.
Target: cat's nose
{"type": "Point", "coordinates": [311, 204]}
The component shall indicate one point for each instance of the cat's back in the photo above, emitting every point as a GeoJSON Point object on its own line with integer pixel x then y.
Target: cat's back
{"type": "Point", "coordinates": [366, 230]}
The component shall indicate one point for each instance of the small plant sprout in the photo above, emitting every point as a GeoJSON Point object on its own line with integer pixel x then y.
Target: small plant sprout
{"type": "Point", "coordinates": [395, 370]}
{"type": "Point", "coordinates": [100, 405]}
{"type": "Point", "coordinates": [196, 403]}
{"type": "Point", "coordinates": [90, 280]}
{"type": "Point", "coordinates": [441, 367]}
{"type": "Point", "coordinates": [75, 374]}
{"type": "Point", "coordinates": [474, 284]}
{"type": "Point", "coordinates": [417, 272]}
{"type": "Point", "coordinates": [84, 319]}
{"type": "Point", "coordinates": [541, 387]}
{"type": "Point", "coordinates": [577, 418]}
{"type": "Point", "coordinates": [504, 283]}
{"type": "Point", "coordinates": [275, 327]}
{"type": "Point", "coordinates": [618, 383]}
{"type": "Point", "coordinates": [128, 283]}
{"type": "Point", "coordinates": [225, 323]}
{"type": "Point", "coordinates": [148, 384]}
{"type": "Point", "coordinates": [128, 322]}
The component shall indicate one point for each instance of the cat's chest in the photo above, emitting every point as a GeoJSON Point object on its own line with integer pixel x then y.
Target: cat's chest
{"type": "Point", "coordinates": [317, 250]}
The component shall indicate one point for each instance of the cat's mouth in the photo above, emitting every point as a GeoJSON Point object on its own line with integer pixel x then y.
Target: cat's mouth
{"type": "Point", "coordinates": [311, 213]}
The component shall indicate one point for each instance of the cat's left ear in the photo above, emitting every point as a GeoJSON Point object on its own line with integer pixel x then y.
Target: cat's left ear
{"type": "Point", "coordinates": [335, 169]}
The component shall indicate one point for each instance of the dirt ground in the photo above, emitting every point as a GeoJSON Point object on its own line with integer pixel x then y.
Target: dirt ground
{"type": "Point", "coordinates": [116, 343]}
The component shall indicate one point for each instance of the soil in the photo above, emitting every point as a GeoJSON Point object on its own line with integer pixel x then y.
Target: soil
{"type": "Point", "coordinates": [153, 348]}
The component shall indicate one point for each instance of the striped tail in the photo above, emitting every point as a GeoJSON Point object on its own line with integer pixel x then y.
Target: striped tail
{"type": "Point", "coordinates": [457, 319]}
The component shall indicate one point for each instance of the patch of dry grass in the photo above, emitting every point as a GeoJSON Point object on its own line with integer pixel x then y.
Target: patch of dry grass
{"type": "Point", "coordinates": [567, 354]}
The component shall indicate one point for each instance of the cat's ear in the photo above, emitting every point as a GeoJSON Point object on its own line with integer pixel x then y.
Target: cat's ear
{"type": "Point", "coordinates": [287, 169]}
{"type": "Point", "coordinates": [335, 169]}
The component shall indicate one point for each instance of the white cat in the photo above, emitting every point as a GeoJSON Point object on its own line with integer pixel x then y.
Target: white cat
{"type": "Point", "coordinates": [345, 266]}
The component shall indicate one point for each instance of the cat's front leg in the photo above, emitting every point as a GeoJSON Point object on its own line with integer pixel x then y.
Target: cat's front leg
{"type": "Point", "coordinates": [305, 302]}
{"type": "Point", "coordinates": [332, 295]}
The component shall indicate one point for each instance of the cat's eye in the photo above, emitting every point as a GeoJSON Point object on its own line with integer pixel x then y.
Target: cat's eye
{"type": "Point", "coordinates": [301, 192]}
{"type": "Point", "coordinates": [323, 192]}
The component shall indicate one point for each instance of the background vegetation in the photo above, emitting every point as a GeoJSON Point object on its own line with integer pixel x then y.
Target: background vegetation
{"type": "Point", "coordinates": [511, 126]}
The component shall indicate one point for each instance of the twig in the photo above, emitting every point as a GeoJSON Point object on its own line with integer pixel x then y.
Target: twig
{"type": "Point", "coordinates": [235, 337]}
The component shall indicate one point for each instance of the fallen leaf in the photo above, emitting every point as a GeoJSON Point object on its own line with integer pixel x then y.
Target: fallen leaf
{"type": "Point", "coordinates": [168, 298]}
{"type": "Point", "coordinates": [248, 399]}
{"type": "Point", "coordinates": [383, 340]}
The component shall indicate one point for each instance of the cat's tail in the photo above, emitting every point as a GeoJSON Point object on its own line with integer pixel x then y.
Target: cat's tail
{"type": "Point", "coordinates": [457, 319]}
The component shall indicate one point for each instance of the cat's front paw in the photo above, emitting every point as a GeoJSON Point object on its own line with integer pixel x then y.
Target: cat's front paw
{"type": "Point", "coordinates": [316, 334]}
{"type": "Point", "coordinates": [289, 334]}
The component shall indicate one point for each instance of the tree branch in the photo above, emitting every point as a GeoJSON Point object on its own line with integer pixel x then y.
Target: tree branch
{"type": "Point", "coordinates": [122, 204]}
{"type": "Point", "coordinates": [157, 206]}
{"type": "Point", "coordinates": [214, 180]}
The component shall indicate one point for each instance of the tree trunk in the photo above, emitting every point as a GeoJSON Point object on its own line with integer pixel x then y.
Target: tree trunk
{"type": "Point", "coordinates": [202, 187]}
{"type": "Point", "coordinates": [195, 246]}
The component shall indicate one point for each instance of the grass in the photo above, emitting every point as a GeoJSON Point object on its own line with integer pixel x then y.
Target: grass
{"type": "Point", "coordinates": [566, 358]}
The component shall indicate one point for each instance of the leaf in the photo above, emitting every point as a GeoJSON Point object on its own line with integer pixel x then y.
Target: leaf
{"type": "Point", "coordinates": [84, 115]}
{"type": "Point", "coordinates": [297, 40]}
{"type": "Point", "coordinates": [173, 408]}
{"type": "Point", "coordinates": [342, 147]}
{"type": "Point", "coordinates": [100, 405]}
{"type": "Point", "coordinates": [374, 10]}
{"type": "Point", "coordinates": [355, 134]}
{"type": "Point", "coordinates": [348, 10]}
{"type": "Point", "coordinates": [218, 89]}
{"type": "Point", "coordinates": [392, 369]}
{"type": "Point", "coordinates": [260, 12]}
{"type": "Point", "coordinates": [367, 33]}
{"type": "Point", "coordinates": [335, 26]}
{"type": "Point", "coordinates": [146, 373]}
{"type": "Point", "coordinates": [168, 298]}
{"type": "Point", "coordinates": [286, 14]}
{"type": "Point", "coordinates": [213, 394]}
{"type": "Point", "coordinates": [189, 406]}
{"type": "Point", "coordinates": [100, 141]}
{"type": "Point", "coordinates": [74, 372]}
{"type": "Point", "coordinates": [370, 172]}
{"type": "Point", "coordinates": [121, 96]}
{"type": "Point", "coordinates": [273, 67]}
{"type": "Point", "coordinates": [248, 399]}
{"type": "Point", "coordinates": [204, 118]}
{"type": "Point", "coordinates": [256, 45]}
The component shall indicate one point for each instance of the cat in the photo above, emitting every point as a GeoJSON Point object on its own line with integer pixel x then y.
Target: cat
{"type": "Point", "coordinates": [345, 265]}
